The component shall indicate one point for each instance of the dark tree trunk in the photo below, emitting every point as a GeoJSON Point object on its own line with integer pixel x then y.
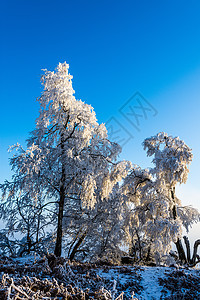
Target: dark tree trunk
{"type": "Point", "coordinates": [196, 244]}
{"type": "Point", "coordinates": [187, 244]}
{"type": "Point", "coordinates": [139, 245]}
{"type": "Point", "coordinates": [148, 254]}
{"type": "Point", "coordinates": [179, 246]}
{"type": "Point", "coordinates": [132, 250]}
{"type": "Point", "coordinates": [181, 252]}
{"type": "Point", "coordinates": [77, 245]}
{"type": "Point", "coordinates": [29, 242]}
{"type": "Point", "coordinates": [195, 258]}
{"type": "Point", "coordinates": [58, 248]}
{"type": "Point", "coordinates": [38, 229]}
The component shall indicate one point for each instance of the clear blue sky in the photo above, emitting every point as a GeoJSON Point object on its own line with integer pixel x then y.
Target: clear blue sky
{"type": "Point", "coordinates": [114, 48]}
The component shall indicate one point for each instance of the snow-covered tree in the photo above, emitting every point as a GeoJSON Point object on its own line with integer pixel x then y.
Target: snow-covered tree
{"type": "Point", "coordinates": [158, 214]}
{"type": "Point", "coordinates": [24, 211]}
{"type": "Point", "coordinates": [172, 158]}
{"type": "Point", "coordinates": [101, 233]}
{"type": "Point", "coordinates": [69, 163]}
{"type": "Point", "coordinates": [68, 179]}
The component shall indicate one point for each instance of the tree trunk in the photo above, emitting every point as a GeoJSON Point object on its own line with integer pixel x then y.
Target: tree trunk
{"type": "Point", "coordinates": [148, 254]}
{"type": "Point", "coordinates": [181, 252]}
{"type": "Point", "coordinates": [38, 229]}
{"type": "Point", "coordinates": [196, 244]}
{"type": "Point", "coordinates": [139, 244]}
{"type": "Point", "coordinates": [58, 248]}
{"type": "Point", "coordinates": [187, 244]}
{"type": "Point", "coordinates": [179, 246]}
{"type": "Point", "coordinates": [77, 245]}
{"type": "Point", "coordinates": [132, 249]}
{"type": "Point", "coordinates": [29, 242]}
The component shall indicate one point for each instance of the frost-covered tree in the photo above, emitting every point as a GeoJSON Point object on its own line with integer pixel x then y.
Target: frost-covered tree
{"type": "Point", "coordinates": [68, 178]}
{"type": "Point", "coordinates": [172, 158]}
{"type": "Point", "coordinates": [24, 211]}
{"type": "Point", "coordinates": [69, 163]}
{"type": "Point", "coordinates": [158, 214]}
{"type": "Point", "coordinates": [101, 233]}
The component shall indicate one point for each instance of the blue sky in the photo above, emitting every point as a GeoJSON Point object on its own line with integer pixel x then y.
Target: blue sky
{"type": "Point", "coordinates": [114, 49]}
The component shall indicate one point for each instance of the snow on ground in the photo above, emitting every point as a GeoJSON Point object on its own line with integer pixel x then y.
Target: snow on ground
{"type": "Point", "coordinates": [150, 282]}
{"type": "Point", "coordinates": [57, 278]}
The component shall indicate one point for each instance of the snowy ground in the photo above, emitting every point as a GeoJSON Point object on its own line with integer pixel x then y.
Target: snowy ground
{"type": "Point", "coordinates": [36, 278]}
{"type": "Point", "coordinates": [150, 282]}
